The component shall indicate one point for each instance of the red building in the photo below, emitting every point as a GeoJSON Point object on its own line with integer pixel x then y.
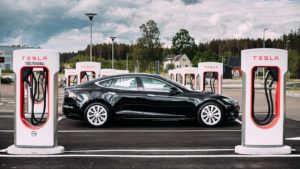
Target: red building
{"type": "Point", "coordinates": [235, 65]}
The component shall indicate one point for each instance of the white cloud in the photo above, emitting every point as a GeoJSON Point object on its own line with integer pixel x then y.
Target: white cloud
{"type": "Point", "coordinates": [205, 20]}
{"type": "Point", "coordinates": [214, 19]}
{"type": "Point", "coordinates": [68, 41]}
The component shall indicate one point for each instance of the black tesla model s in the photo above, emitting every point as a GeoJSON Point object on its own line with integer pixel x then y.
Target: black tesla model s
{"type": "Point", "coordinates": [144, 96]}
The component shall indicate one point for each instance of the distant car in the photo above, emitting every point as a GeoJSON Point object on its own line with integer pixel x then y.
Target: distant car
{"type": "Point", "coordinates": [144, 96]}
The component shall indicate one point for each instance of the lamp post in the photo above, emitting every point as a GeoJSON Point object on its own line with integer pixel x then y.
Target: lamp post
{"type": "Point", "coordinates": [264, 45]}
{"type": "Point", "coordinates": [91, 16]}
{"type": "Point", "coordinates": [112, 51]}
{"type": "Point", "coordinates": [126, 61]}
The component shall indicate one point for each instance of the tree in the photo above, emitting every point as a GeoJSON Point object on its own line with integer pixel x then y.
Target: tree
{"type": "Point", "coordinates": [183, 43]}
{"type": "Point", "coordinates": [207, 56]}
{"type": "Point", "coordinates": [148, 45]}
{"type": "Point", "coordinates": [170, 66]}
{"type": "Point", "coordinates": [294, 61]}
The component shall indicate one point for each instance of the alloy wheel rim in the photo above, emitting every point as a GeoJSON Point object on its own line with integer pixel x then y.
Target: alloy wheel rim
{"type": "Point", "coordinates": [97, 115]}
{"type": "Point", "coordinates": [211, 115]}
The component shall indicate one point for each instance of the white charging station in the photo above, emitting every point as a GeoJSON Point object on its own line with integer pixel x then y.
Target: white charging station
{"type": "Point", "coordinates": [259, 137]}
{"type": "Point", "coordinates": [71, 77]}
{"type": "Point", "coordinates": [216, 71]}
{"type": "Point", "coordinates": [183, 72]}
{"type": "Point", "coordinates": [87, 71]}
{"type": "Point", "coordinates": [35, 135]}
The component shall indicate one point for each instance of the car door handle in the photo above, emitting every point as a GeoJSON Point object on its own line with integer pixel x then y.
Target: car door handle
{"type": "Point", "coordinates": [151, 95]}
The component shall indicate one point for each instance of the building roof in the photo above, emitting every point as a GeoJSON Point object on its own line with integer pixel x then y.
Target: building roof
{"type": "Point", "coordinates": [174, 57]}
{"type": "Point", "coordinates": [234, 62]}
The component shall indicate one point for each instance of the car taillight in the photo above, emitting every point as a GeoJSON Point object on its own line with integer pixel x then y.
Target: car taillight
{"type": "Point", "coordinates": [70, 94]}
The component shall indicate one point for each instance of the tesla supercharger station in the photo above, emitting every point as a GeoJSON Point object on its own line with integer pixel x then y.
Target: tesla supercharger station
{"type": "Point", "coordinates": [34, 134]}
{"type": "Point", "coordinates": [263, 132]}
{"type": "Point", "coordinates": [71, 77]}
{"type": "Point", "coordinates": [213, 70]}
{"type": "Point", "coordinates": [87, 71]}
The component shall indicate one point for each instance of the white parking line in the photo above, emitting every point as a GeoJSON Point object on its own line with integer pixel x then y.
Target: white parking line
{"type": "Point", "coordinates": [60, 118]}
{"type": "Point", "coordinates": [143, 131]}
{"type": "Point", "coordinates": [237, 120]}
{"type": "Point", "coordinates": [6, 131]}
{"type": "Point", "coordinates": [7, 116]}
{"type": "Point", "coordinates": [133, 131]}
{"type": "Point", "coordinates": [293, 138]}
{"type": "Point", "coordinates": [152, 156]}
{"type": "Point", "coordinates": [149, 150]}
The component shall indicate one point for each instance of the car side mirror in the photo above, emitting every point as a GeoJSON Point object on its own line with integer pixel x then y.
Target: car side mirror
{"type": "Point", "coordinates": [174, 91]}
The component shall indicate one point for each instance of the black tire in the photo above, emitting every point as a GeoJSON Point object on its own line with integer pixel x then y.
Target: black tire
{"type": "Point", "coordinates": [210, 114]}
{"type": "Point", "coordinates": [97, 115]}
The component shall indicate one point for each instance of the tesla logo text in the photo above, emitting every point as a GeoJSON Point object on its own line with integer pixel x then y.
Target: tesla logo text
{"type": "Point", "coordinates": [265, 58]}
{"type": "Point", "coordinates": [210, 67]}
{"type": "Point", "coordinates": [87, 67]}
{"type": "Point", "coordinates": [34, 58]}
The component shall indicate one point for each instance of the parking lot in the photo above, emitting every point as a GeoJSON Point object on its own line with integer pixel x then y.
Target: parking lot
{"type": "Point", "coordinates": [150, 144]}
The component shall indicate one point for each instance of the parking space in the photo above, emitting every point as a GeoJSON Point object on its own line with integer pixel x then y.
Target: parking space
{"type": "Point", "coordinates": [150, 144]}
{"type": "Point", "coordinates": [161, 144]}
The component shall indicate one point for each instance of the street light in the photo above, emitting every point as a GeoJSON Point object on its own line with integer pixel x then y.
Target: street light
{"type": "Point", "coordinates": [264, 37]}
{"type": "Point", "coordinates": [112, 51]}
{"type": "Point", "coordinates": [91, 16]}
{"type": "Point", "coordinates": [126, 61]}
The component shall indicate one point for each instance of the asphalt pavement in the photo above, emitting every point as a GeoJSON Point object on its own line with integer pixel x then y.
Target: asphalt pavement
{"type": "Point", "coordinates": [152, 144]}
{"type": "Point", "coordinates": [148, 144]}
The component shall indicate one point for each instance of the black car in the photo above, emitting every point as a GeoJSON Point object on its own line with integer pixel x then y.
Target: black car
{"type": "Point", "coordinates": [144, 96]}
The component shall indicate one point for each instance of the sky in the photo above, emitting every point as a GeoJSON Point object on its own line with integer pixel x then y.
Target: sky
{"type": "Point", "coordinates": [62, 25]}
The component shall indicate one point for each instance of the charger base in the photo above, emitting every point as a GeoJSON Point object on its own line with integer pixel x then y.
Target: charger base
{"type": "Point", "coordinates": [261, 150]}
{"type": "Point", "coordinates": [35, 151]}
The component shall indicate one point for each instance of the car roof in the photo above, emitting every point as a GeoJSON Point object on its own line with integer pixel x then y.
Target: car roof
{"type": "Point", "coordinates": [131, 74]}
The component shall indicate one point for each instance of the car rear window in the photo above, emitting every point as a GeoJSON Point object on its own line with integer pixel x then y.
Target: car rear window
{"type": "Point", "coordinates": [124, 83]}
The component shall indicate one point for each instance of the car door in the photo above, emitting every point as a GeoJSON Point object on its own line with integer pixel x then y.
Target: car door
{"type": "Point", "coordinates": [161, 103]}
{"type": "Point", "coordinates": [126, 100]}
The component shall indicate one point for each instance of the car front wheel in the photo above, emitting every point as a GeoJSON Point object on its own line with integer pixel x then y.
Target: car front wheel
{"type": "Point", "coordinates": [97, 114]}
{"type": "Point", "coordinates": [210, 114]}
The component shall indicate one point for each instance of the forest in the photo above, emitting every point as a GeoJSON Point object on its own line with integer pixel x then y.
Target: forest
{"type": "Point", "coordinates": [147, 49]}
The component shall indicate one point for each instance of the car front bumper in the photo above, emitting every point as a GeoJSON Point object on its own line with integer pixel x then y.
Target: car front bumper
{"type": "Point", "coordinates": [233, 112]}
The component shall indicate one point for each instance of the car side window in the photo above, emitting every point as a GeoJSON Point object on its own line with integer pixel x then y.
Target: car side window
{"type": "Point", "coordinates": [124, 83]}
{"type": "Point", "coordinates": [151, 84]}
{"type": "Point", "coordinates": [106, 83]}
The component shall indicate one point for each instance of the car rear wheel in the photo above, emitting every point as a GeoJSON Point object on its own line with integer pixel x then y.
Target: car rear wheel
{"type": "Point", "coordinates": [210, 114]}
{"type": "Point", "coordinates": [97, 114]}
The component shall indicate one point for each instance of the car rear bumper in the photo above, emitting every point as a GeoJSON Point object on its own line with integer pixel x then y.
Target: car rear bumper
{"type": "Point", "coordinates": [71, 110]}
